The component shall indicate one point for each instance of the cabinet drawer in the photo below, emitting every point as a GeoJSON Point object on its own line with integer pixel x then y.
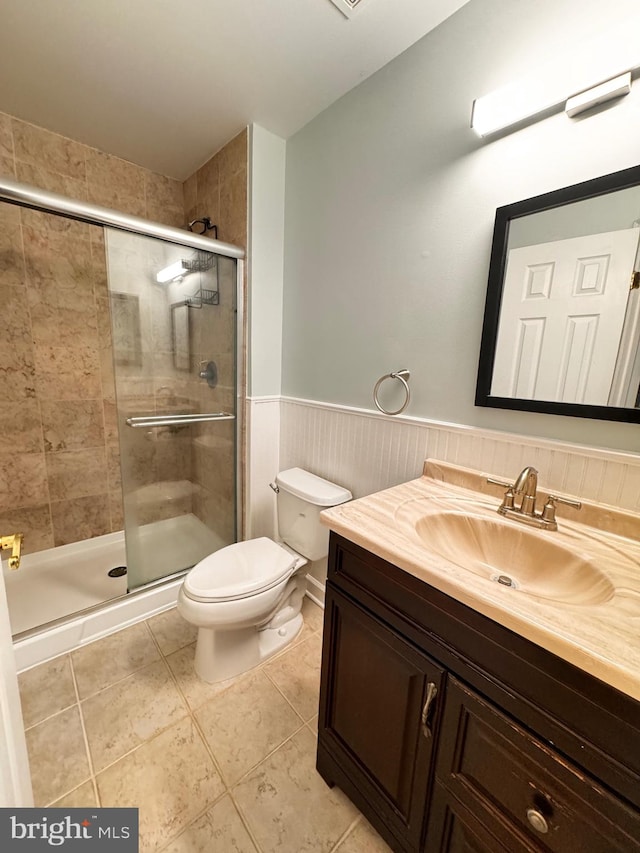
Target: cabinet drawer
{"type": "Point", "coordinates": [492, 765]}
{"type": "Point", "coordinates": [454, 829]}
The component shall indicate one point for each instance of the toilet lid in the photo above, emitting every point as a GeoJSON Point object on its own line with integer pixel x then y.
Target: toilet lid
{"type": "Point", "coordinates": [239, 570]}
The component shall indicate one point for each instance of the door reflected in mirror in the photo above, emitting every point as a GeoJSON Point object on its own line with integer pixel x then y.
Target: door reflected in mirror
{"type": "Point", "coordinates": [561, 330]}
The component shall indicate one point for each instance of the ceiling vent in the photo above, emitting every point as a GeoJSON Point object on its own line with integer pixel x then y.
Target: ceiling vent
{"type": "Point", "coordinates": [348, 7]}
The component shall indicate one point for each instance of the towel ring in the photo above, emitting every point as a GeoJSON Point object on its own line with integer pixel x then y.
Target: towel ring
{"type": "Point", "coordinates": [402, 376]}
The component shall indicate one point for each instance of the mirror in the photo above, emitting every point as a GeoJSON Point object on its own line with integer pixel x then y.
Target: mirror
{"type": "Point", "coordinates": [561, 329]}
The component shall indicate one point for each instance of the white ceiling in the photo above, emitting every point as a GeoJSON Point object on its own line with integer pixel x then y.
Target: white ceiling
{"type": "Point", "coordinates": [165, 83]}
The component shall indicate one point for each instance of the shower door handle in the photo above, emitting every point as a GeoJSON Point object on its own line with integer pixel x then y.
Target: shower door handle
{"type": "Point", "coordinates": [178, 420]}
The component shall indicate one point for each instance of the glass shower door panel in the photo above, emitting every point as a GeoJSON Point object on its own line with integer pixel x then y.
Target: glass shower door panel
{"type": "Point", "coordinates": [174, 345]}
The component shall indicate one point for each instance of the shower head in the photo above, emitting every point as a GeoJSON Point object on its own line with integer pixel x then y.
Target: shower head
{"type": "Point", "coordinates": [207, 225]}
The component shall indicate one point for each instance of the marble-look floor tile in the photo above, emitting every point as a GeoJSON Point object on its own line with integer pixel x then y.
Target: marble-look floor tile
{"type": "Point", "coordinates": [220, 830]}
{"type": "Point", "coordinates": [171, 631]}
{"type": "Point", "coordinates": [363, 839]}
{"type": "Point", "coordinates": [129, 712]}
{"type": "Point", "coordinates": [82, 797]}
{"type": "Point", "coordinates": [57, 756]}
{"type": "Point", "coordinates": [106, 661]}
{"type": "Point", "coordinates": [45, 690]}
{"type": "Point", "coordinates": [170, 779]}
{"type": "Point", "coordinates": [312, 614]}
{"type": "Point", "coordinates": [297, 675]}
{"type": "Point", "coordinates": [288, 806]}
{"type": "Point", "coordinates": [245, 723]}
{"type": "Point", "coordinates": [196, 691]}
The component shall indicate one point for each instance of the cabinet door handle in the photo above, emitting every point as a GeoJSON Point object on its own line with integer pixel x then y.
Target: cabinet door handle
{"type": "Point", "coordinates": [427, 711]}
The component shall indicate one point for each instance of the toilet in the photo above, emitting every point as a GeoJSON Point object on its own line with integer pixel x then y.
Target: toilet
{"type": "Point", "coordinates": [245, 599]}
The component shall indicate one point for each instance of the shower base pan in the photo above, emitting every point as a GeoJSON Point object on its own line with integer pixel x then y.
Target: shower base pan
{"type": "Point", "coordinates": [63, 598]}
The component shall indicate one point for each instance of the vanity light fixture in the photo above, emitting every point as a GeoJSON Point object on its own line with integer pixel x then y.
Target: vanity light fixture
{"type": "Point", "coordinates": [596, 72]}
{"type": "Point", "coordinates": [607, 91]}
{"type": "Point", "coordinates": [172, 272]}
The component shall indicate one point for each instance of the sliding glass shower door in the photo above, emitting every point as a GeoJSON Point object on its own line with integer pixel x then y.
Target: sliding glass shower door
{"type": "Point", "coordinates": [173, 327]}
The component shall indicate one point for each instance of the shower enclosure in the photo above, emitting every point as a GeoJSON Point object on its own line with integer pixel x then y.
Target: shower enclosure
{"type": "Point", "coordinates": [119, 365]}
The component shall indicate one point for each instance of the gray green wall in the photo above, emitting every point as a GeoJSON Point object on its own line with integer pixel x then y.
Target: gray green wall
{"type": "Point", "coordinates": [390, 201]}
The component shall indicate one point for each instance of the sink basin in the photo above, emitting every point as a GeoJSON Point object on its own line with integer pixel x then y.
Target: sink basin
{"type": "Point", "coordinates": [514, 555]}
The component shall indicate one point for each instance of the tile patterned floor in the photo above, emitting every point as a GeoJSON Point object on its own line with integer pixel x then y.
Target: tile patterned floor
{"type": "Point", "coordinates": [226, 768]}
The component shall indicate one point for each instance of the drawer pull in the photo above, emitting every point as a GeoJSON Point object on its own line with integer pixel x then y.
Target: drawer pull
{"type": "Point", "coordinates": [537, 820]}
{"type": "Point", "coordinates": [432, 692]}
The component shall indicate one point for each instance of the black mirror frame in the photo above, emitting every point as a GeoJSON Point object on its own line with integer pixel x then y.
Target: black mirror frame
{"type": "Point", "coordinates": [504, 215]}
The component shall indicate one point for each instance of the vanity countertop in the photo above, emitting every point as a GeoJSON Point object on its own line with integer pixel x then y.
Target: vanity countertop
{"type": "Point", "coordinates": [603, 639]}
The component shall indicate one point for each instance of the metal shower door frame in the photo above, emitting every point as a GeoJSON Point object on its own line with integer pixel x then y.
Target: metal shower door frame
{"type": "Point", "coordinates": [24, 195]}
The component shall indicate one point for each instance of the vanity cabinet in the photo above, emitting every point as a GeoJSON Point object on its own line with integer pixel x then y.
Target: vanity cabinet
{"type": "Point", "coordinates": [451, 733]}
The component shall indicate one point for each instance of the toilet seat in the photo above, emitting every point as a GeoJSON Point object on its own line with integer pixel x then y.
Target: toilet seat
{"type": "Point", "coordinates": [240, 571]}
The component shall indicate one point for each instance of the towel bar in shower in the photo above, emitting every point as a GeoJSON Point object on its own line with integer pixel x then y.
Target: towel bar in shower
{"type": "Point", "coordinates": [178, 420]}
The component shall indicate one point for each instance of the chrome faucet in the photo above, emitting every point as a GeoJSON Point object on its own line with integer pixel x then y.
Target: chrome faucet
{"type": "Point", "coordinates": [526, 484]}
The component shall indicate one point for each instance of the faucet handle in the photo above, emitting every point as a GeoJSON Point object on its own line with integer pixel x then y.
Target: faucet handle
{"type": "Point", "coordinates": [499, 483]}
{"type": "Point", "coordinates": [549, 510]}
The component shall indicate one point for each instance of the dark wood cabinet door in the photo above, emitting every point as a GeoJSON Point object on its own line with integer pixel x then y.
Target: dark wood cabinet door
{"type": "Point", "coordinates": [379, 713]}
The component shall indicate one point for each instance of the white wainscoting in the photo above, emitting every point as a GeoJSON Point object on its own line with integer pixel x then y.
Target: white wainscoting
{"type": "Point", "coordinates": [366, 451]}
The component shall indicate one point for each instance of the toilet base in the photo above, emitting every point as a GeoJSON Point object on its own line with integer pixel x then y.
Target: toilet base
{"type": "Point", "coordinates": [221, 655]}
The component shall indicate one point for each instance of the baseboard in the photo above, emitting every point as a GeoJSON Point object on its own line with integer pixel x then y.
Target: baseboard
{"type": "Point", "coordinates": [315, 591]}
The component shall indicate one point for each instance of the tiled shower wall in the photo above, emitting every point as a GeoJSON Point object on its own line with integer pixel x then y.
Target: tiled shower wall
{"type": "Point", "coordinates": [59, 456]}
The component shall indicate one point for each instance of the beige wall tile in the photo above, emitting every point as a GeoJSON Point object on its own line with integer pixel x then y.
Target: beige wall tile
{"type": "Point", "coordinates": [23, 480]}
{"type": "Point", "coordinates": [123, 716]}
{"type": "Point", "coordinates": [220, 829]}
{"type": "Point", "coordinates": [116, 511]}
{"type": "Point", "coordinates": [164, 200]}
{"type": "Point", "coordinates": [34, 522]}
{"type": "Point", "coordinates": [233, 209]}
{"type": "Point", "coordinates": [57, 756]}
{"type": "Point", "coordinates": [7, 167]}
{"type": "Point", "coordinates": [15, 327]}
{"type": "Point", "coordinates": [287, 784]}
{"type": "Point", "coordinates": [115, 183]}
{"type": "Point", "coordinates": [67, 374]}
{"type": "Point", "coordinates": [208, 193]}
{"type": "Point", "coordinates": [171, 779]}
{"type": "Point", "coordinates": [245, 723]}
{"type": "Point", "coordinates": [171, 631]}
{"type": "Point", "coordinates": [80, 518]}
{"type": "Point", "coordinates": [48, 150]}
{"type": "Point", "coordinates": [18, 374]}
{"type": "Point", "coordinates": [106, 661]}
{"type": "Point", "coordinates": [20, 428]}
{"type": "Point", "coordinates": [190, 192]}
{"type": "Point", "coordinates": [6, 137]}
{"type": "Point", "coordinates": [37, 175]}
{"type": "Point", "coordinates": [45, 690]}
{"type": "Point", "coordinates": [12, 270]}
{"type": "Point", "coordinates": [72, 425]}
{"type": "Point", "coordinates": [234, 156]}
{"type": "Point", "coordinates": [77, 473]}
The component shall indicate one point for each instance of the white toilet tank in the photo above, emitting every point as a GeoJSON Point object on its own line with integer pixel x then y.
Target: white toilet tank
{"type": "Point", "coordinates": [301, 498]}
